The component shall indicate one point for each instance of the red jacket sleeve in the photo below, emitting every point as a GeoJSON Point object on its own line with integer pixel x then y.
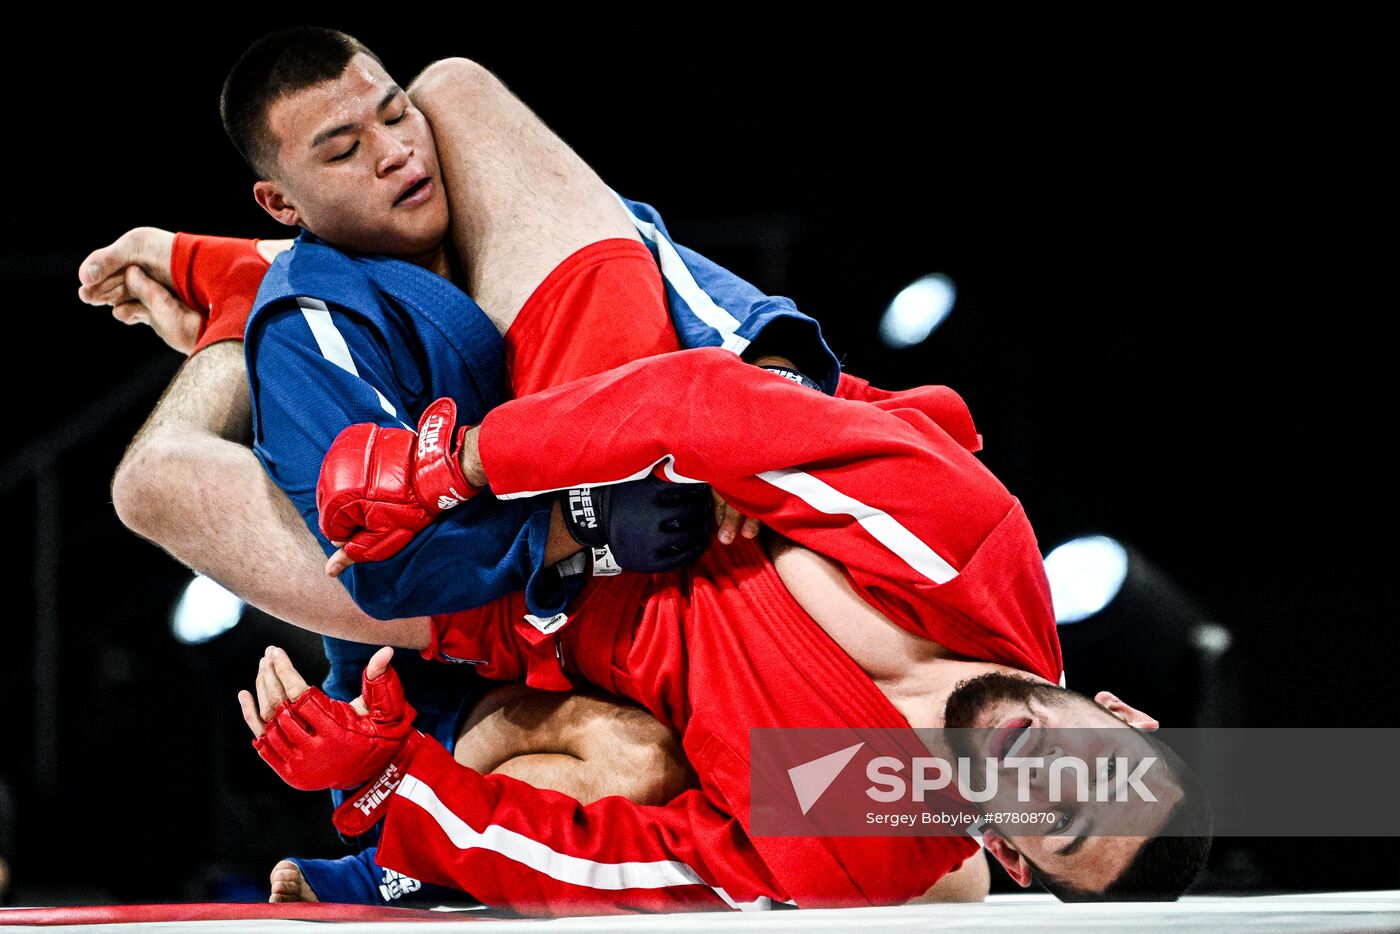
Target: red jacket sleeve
{"type": "Point", "coordinates": [884, 483]}
{"type": "Point", "coordinates": [543, 853]}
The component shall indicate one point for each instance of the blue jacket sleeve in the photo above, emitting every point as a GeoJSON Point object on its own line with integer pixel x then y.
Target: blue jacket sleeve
{"type": "Point", "coordinates": [312, 373]}
{"type": "Point", "coordinates": [712, 307]}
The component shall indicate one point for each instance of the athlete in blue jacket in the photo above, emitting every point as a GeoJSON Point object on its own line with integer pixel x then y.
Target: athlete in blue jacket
{"type": "Point", "coordinates": [368, 175]}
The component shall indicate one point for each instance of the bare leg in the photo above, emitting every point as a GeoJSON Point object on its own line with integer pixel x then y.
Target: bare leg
{"type": "Point", "coordinates": [587, 745]}
{"type": "Point", "coordinates": [521, 200]}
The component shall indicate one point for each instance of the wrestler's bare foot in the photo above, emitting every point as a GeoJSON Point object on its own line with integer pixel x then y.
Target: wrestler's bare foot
{"type": "Point", "coordinates": [288, 884]}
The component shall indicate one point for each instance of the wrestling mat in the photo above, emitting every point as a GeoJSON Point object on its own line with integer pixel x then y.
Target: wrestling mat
{"type": "Point", "coordinates": [1014, 914]}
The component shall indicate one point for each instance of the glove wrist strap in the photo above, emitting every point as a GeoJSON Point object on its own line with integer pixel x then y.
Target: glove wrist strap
{"type": "Point", "coordinates": [585, 515]}
{"type": "Point", "coordinates": [362, 809]}
{"type": "Point", "coordinates": [438, 480]}
{"type": "Point", "coordinates": [795, 376]}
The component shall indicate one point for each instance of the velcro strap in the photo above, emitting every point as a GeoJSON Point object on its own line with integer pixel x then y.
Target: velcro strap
{"type": "Point", "coordinates": [792, 375]}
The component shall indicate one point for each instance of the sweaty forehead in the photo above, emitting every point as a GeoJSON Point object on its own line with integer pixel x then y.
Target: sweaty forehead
{"type": "Point", "coordinates": [297, 117]}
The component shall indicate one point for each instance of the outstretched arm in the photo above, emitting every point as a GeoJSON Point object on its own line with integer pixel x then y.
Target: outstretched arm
{"type": "Point", "coordinates": [189, 481]}
{"type": "Point", "coordinates": [543, 853]}
{"type": "Point", "coordinates": [494, 151]}
{"type": "Point", "coordinates": [889, 489]}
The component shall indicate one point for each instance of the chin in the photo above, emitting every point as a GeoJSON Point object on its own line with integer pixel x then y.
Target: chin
{"type": "Point", "coordinates": [403, 243]}
{"type": "Point", "coordinates": [423, 236]}
{"type": "Point", "coordinates": [440, 227]}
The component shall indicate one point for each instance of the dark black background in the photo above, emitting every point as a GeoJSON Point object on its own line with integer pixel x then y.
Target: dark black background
{"type": "Point", "coordinates": [1170, 239]}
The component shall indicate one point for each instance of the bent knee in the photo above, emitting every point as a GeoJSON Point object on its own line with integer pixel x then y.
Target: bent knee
{"type": "Point", "coordinates": [632, 754]}
{"type": "Point", "coordinates": [134, 492]}
{"type": "Point", "coordinates": [451, 80]}
{"type": "Point", "coordinates": [630, 733]}
{"type": "Point", "coordinates": [645, 759]}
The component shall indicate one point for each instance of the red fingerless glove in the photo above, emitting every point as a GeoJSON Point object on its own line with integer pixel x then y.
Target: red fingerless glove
{"type": "Point", "coordinates": [316, 742]}
{"type": "Point", "coordinates": [362, 809]}
{"type": "Point", "coordinates": [381, 486]}
{"type": "Point", "coordinates": [219, 276]}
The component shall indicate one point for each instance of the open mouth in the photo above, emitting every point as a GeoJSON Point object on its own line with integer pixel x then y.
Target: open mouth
{"type": "Point", "coordinates": [411, 191]}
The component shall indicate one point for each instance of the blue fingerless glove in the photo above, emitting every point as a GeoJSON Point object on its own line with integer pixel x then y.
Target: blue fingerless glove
{"type": "Point", "coordinates": [650, 525]}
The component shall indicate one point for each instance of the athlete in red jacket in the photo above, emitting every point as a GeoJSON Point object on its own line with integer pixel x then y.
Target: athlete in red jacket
{"type": "Point", "coordinates": [911, 571]}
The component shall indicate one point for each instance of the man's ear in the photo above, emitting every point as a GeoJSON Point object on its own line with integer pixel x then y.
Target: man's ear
{"type": "Point", "coordinates": [1129, 715]}
{"type": "Point", "coordinates": [272, 199]}
{"type": "Point", "coordinates": [1014, 863]}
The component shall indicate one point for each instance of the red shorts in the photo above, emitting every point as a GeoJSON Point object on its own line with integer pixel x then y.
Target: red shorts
{"type": "Point", "coordinates": [603, 306]}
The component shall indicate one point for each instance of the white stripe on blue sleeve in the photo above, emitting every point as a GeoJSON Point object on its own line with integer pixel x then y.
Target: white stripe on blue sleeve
{"type": "Point", "coordinates": [333, 347]}
{"type": "Point", "coordinates": [678, 275]}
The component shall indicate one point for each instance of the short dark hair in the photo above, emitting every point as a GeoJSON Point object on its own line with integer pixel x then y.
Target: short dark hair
{"type": "Point", "coordinates": [279, 63]}
{"type": "Point", "coordinates": [1168, 864]}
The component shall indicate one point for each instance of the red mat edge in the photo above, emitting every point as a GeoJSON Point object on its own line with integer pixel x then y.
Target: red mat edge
{"type": "Point", "coordinates": [219, 911]}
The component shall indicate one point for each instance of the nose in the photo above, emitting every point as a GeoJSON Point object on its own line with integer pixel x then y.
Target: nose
{"type": "Point", "coordinates": [394, 152]}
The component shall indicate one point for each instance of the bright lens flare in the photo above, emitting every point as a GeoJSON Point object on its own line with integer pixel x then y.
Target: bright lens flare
{"type": "Point", "coordinates": [205, 610]}
{"type": "Point", "coordinates": [1085, 574]}
{"type": "Point", "coordinates": [917, 310]}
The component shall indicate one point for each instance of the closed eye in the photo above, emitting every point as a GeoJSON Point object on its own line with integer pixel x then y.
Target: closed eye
{"type": "Point", "coordinates": [345, 155]}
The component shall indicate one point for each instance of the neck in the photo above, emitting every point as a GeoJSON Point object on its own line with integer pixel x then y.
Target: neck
{"type": "Point", "coordinates": [438, 260]}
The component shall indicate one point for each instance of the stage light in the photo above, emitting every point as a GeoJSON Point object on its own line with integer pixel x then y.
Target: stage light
{"type": "Point", "coordinates": [1126, 626]}
{"type": "Point", "coordinates": [204, 610]}
{"type": "Point", "coordinates": [917, 310]}
{"type": "Point", "coordinates": [1085, 574]}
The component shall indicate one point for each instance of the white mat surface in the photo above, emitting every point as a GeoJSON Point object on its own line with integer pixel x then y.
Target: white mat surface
{"type": "Point", "coordinates": [1325, 913]}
